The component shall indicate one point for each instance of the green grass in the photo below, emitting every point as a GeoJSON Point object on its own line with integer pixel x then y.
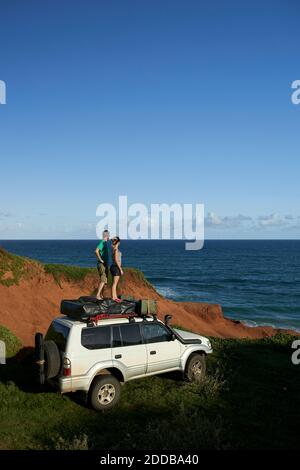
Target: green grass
{"type": "Point", "coordinates": [77, 273]}
{"type": "Point", "coordinates": [69, 273]}
{"type": "Point", "coordinates": [12, 343]}
{"type": "Point", "coordinates": [11, 265]}
{"type": "Point", "coordinates": [250, 399]}
{"type": "Point", "coordinates": [13, 268]}
{"type": "Point", "coordinates": [139, 275]}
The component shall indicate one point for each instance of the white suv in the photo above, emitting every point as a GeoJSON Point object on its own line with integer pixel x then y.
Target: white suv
{"type": "Point", "coordinates": [97, 358]}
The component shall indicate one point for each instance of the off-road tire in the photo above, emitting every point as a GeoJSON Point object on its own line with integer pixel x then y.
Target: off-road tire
{"type": "Point", "coordinates": [104, 392]}
{"type": "Point", "coordinates": [195, 368]}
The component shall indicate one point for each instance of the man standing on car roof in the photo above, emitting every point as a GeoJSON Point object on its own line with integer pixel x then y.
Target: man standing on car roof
{"type": "Point", "coordinates": [102, 253]}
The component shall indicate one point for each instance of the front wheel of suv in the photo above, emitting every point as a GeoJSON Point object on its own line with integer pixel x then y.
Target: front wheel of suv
{"type": "Point", "coordinates": [105, 392]}
{"type": "Point", "coordinates": [196, 368]}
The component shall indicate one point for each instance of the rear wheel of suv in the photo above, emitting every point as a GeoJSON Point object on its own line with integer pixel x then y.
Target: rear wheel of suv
{"type": "Point", "coordinates": [105, 392]}
{"type": "Point", "coordinates": [196, 368]}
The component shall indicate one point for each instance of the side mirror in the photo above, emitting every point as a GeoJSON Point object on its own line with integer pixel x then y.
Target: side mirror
{"type": "Point", "coordinates": [173, 337]}
{"type": "Point", "coordinates": [167, 319]}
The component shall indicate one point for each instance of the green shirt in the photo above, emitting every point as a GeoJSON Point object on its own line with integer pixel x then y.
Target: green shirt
{"type": "Point", "coordinates": [103, 250]}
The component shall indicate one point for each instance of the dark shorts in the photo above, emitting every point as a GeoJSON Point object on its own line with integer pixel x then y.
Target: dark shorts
{"type": "Point", "coordinates": [115, 271]}
{"type": "Point", "coordinates": [103, 272]}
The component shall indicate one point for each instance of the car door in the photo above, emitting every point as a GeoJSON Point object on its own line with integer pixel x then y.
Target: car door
{"type": "Point", "coordinates": [162, 351]}
{"type": "Point", "coordinates": [128, 349]}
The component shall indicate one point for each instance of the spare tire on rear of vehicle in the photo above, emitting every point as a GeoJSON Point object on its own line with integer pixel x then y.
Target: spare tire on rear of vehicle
{"type": "Point", "coordinates": [52, 359]}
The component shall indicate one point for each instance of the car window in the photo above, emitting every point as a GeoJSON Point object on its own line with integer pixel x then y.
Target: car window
{"type": "Point", "coordinates": [117, 341]}
{"type": "Point", "coordinates": [155, 333]}
{"type": "Point", "coordinates": [131, 334]}
{"type": "Point", "coordinates": [59, 334]}
{"type": "Point", "coordinates": [96, 337]}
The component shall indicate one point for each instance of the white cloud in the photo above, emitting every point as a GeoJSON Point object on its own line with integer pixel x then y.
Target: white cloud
{"type": "Point", "coordinates": [215, 225]}
{"type": "Point", "coordinates": [244, 222]}
{"type": "Point", "coordinates": [272, 220]}
{"type": "Point", "coordinates": [5, 214]}
{"type": "Point", "coordinates": [213, 220]}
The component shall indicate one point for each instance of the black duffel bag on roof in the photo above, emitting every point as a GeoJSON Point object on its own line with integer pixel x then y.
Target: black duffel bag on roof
{"type": "Point", "coordinates": [87, 298]}
{"type": "Point", "coordinates": [88, 307]}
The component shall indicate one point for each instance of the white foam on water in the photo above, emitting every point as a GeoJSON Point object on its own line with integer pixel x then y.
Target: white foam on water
{"type": "Point", "coordinates": [253, 324]}
{"type": "Point", "coordinates": [167, 292]}
{"type": "Point", "coordinates": [250, 323]}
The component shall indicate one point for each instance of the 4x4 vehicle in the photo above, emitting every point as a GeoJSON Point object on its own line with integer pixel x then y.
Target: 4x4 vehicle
{"type": "Point", "coordinates": [98, 358]}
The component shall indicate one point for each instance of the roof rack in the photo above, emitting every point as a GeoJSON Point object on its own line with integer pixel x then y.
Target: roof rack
{"type": "Point", "coordinates": [93, 321]}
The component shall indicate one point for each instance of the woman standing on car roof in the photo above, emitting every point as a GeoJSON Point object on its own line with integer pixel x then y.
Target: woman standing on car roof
{"type": "Point", "coordinates": [116, 268]}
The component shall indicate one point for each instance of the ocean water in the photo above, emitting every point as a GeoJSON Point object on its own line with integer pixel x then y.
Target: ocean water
{"type": "Point", "coordinates": [255, 281]}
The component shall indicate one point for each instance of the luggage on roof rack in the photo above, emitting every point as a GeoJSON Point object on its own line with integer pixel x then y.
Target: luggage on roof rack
{"type": "Point", "coordinates": [86, 308]}
{"type": "Point", "coordinates": [148, 307]}
{"type": "Point", "coordinates": [144, 306]}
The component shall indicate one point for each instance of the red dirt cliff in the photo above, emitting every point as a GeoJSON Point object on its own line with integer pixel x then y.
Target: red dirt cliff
{"type": "Point", "coordinates": [30, 297]}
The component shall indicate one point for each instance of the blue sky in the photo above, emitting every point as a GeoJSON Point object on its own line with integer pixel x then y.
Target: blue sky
{"type": "Point", "coordinates": [163, 101]}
